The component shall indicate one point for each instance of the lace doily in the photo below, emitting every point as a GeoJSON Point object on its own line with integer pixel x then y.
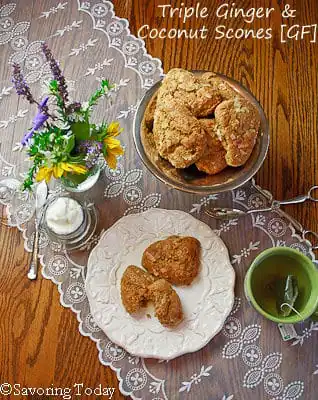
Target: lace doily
{"type": "Point", "coordinates": [249, 349]}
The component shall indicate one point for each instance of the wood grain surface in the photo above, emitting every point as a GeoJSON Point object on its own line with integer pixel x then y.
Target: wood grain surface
{"type": "Point", "coordinates": [40, 344]}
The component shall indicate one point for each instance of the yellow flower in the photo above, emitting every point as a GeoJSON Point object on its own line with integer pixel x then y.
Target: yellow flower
{"type": "Point", "coordinates": [75, 168]}
{"type": "Point", "coordinates": [113, 146]}
{"type": "Point", "coordinates": [45, 173]}
{"type": "Point", "coordinates": [111, 156]}
{"type": "Point", "coordinates": [114, 129]}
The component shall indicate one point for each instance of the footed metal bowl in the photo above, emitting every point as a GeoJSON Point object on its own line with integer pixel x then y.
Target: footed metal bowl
{"type": "Point", "coordinates": [190, 179]}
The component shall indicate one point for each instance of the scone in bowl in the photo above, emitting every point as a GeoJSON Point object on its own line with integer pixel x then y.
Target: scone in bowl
{"type": "Point", "coordinates": [190, 179]}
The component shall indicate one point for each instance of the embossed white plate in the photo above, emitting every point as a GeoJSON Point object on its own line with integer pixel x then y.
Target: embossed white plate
{"type": "Point", "coordinates": [206, 302]}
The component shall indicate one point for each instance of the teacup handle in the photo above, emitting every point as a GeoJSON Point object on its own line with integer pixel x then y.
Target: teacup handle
{"type": "Point", "coordinates": [314, 317]}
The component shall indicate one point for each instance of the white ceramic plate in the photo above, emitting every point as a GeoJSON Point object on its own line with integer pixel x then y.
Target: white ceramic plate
{"type": "Point", "coordinates": [206, 302]}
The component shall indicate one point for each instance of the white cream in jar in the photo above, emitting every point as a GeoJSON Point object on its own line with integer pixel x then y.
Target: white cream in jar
{"type": "Point", "coordinates": [64, 216]}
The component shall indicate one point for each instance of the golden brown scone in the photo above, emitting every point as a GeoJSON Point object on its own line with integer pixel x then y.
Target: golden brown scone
{"type": "Point", "coordinates": [220, 85]}
{"type": "Point", "coordinates": [178, 135]}
{"type": "Point", "coordinates": [213, 160]}
{"type": "Point", "coordinates": [182, 86]}
{"type": "Point", "coordinates": [168, 308]}
{"type": "Point", "coordinates": [176, 259]}
{"type": "Point", "coordinates": [134, 286]}
{"type": "Point", "coordinates": [237, 127]}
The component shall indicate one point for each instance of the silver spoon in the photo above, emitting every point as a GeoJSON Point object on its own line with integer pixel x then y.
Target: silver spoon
{"type": "Point", "coordinates": [230, 213]}
{"type": "Point", "coordinates": [41, 194]}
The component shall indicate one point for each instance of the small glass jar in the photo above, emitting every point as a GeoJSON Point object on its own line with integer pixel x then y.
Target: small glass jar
{"type": "Point", "coordinates": [78, 238]}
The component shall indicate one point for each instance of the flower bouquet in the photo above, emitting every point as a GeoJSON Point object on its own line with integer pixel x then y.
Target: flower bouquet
{"type": "Point", "coordinates": [65, 144]}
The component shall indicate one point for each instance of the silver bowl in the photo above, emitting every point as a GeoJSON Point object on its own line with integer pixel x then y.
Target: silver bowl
{"type": "Point", "coordinates": [190, 180]}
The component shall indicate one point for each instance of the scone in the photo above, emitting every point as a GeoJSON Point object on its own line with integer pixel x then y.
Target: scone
{"type": "Point", "coordinates": [176, 259]}
{"type": "Point", "coordinates": [185, 88]}
{"type": "Point", "coordinates": [220, 85]}
{"type": "Point", "coordinates": [238, 123]}
{"type": "Point", "coordinates": [178, 135]}
{"type": "Point", "coordinates": [168, 308]}
{"type": "Point", "coordinates": [138, 288]}
{"type": "Point", "coordinates": [213, 160]}
{"type": "Point", "coordinates": [134, 287]}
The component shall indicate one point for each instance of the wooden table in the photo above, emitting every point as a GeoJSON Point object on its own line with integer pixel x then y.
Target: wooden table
{"type": "Point", "coordinates": [40, 343]}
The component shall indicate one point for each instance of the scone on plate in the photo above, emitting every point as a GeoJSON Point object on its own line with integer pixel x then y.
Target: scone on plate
{"type": "Point", "coordinates": [185, 88]}
{"type": "Point", "coordinates": [178, 135]}
{"type": "Point", "coordinates": [176, 259]}
{"type": "Point", "coordinates": [213, 160]}
{"type": "Point", "coordinates": [138, 288]}
{"type": "Point", "coordinates": [168, 308]}
{"type": "Point", "coordinates": [238, 123]}
{"type": "Point", "coordinates": [134, 287]}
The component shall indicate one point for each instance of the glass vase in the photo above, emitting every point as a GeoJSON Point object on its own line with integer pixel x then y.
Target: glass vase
{"type": "Point", "coordinates": [78, 184]}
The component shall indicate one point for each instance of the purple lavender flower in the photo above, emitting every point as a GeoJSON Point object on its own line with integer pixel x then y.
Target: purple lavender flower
{"type": "Point", "coordinates": [57, 73]}
{"type": "Point", "coordinates": [38, 121]}
{"type": "Point", "coordinates": [92, 150]}
{"type": "Point", "coordinates": [73, 107]}
{"type": "Point", "coordinates": [20, 84]}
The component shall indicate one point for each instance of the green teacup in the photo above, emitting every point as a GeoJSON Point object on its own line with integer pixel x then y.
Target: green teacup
{"type": "Point", "coordinates": [278, 263]}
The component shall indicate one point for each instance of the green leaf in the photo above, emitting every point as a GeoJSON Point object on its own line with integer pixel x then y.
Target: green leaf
{"type": "Point", "coordinates": [53, 86]}
{"type": "Point", "coordinates": [80, 130]}
{"type": "Point", "coordinates": [76, 179]}
{"type": "Point", "coordinates": [100, 135]}
{"type": "Point", "coordinates": [70, 144]}
{"type": "Point", "coordinates": [105, 85]}
{"type": "Point", "coordinates": [76, 159]}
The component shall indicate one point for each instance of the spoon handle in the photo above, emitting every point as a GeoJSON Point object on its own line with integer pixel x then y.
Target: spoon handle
{"type": "Point", "coordinates": [230, 213]}
{"type": "Point", "coordinates": [295, 200]}
{"type": "Point", "coordinates": [33, 268]}
{"type": "Point", "coordinates": [258, 210]}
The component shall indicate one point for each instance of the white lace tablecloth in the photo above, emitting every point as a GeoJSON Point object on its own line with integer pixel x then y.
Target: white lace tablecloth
{"type": "Point", "coordinates": [248, 358]}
